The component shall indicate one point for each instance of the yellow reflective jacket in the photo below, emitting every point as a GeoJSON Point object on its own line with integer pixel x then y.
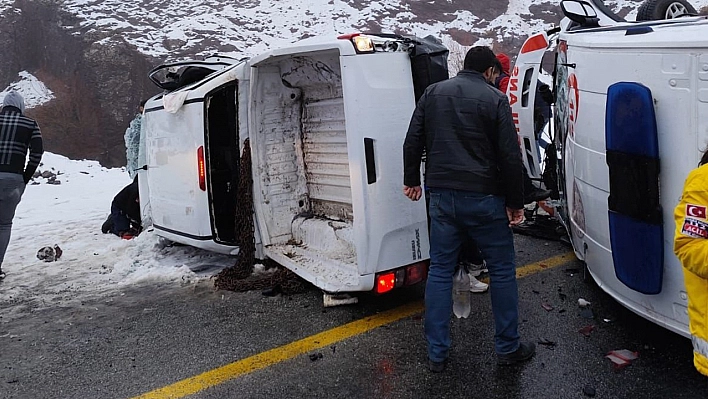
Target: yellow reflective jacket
{"type": "Point", "coordinates": [691, 247]}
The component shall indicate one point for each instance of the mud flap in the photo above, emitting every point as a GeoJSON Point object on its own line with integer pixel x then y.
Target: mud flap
{"type": "Point", "coordinates": [635, 214]}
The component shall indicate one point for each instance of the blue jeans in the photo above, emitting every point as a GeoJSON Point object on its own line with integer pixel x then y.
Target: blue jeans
{"type": "Point", "coordinates": [456, 215]}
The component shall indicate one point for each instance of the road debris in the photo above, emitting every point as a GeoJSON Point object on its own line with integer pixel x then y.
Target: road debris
{"type": "Point", "coordinates": [547, 343]}
{"type": "Point", "coordinates": [622, 358]}
{"type": "Point", "coordinates": [547, 306]}
{"type": "Point", "coordinates": [583, 303]}
{"type": "Point", "coordinates": [316, 356]}
{"type": "Point", "coordinates": [571, 271]}
{"type": "Point", "coordinates": [49, 254]}
{"type": "Point", "coordinates": [589, 390]}
{"type": "Point", "coordinates": [587, 314]}
{"type": "Point", "coordinates": [587, 330]}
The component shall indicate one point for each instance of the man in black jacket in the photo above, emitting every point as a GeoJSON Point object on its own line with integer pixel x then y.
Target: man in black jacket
{"type": "Point", "coordinates": [474, 174]}
{"type": "Point", "coordinates": [18, 134]}
{"type": "Point", "coordinates": [124, 220]}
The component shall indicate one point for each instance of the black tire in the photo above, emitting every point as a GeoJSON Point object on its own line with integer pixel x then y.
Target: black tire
{"type": "Point", "coordinates": [652, 10]}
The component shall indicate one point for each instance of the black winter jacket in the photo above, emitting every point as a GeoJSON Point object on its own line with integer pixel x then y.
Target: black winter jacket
{"type": "Point", "coordinates": [126, 201]}
{"type": "Point", "coordinates": [18, 134]}
{"type": "Point", "coordinates": [465, 125]}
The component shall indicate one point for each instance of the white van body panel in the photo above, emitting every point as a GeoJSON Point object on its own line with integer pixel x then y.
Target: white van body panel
{"type": "Point", "coordinates": [672, 61]}
{"type": "Point", "coordinates": [379, 101]}
{"type": "Point", "coordinates": [521, 92]}
{"type": "Point", "coordinates": [180, 210]}
{"type": "Point", "coordinates": [316, 210]}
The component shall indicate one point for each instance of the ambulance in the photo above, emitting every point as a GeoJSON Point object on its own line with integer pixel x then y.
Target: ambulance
{"type": "Point", "coordinates": [325, 119]}
{"type": "Point", "coordinates": [630, 122]}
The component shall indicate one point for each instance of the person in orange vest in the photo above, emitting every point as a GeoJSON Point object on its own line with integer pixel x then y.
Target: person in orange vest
{"type": "Point", "coordinates": [691, 247]}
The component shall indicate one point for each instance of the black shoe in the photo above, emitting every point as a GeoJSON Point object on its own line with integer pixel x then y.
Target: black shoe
{"type": "Point", "coordinates": [536, 195]}
{"type": "Point", "coordinates": [525, 352]}
{"type": "Point", "coordinates": [107, 225]}
{"type": "Point", "coordinates": [436, 367]}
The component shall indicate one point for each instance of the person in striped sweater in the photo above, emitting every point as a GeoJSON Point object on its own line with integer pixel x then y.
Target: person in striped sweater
{"type": "Point", "coordinates": [18, 135]}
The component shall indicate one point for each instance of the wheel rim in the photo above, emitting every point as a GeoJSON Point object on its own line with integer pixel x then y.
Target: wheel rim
{"type": "Point", "coordinates": [676, 10]}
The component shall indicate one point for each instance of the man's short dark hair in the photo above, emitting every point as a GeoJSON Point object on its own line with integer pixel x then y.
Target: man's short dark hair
{"type": "Point", "coordinates": [497, 66]}
{"type": "Point", "coordinates": [479, 58]}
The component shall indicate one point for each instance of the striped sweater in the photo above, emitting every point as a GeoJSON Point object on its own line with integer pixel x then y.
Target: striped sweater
{"type": "Point", "coordinates": [18, 134]}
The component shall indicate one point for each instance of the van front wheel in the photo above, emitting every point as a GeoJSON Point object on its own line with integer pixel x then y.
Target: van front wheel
{"type": "Point", "coordinates": [652, 10]}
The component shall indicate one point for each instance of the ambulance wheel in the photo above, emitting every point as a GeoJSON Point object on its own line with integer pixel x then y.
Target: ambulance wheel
{"type": "Point", "coordinates": [652, 10]}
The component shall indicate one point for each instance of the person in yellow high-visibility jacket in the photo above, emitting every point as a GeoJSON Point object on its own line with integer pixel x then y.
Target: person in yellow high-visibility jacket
{"type": "Point", "coordinates": [691, 247]}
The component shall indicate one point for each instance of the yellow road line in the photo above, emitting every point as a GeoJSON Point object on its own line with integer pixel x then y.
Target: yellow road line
{"type": "Point", "coordinates": [262, 360]}
{"type": "Point", "coordinates": [533, 268]}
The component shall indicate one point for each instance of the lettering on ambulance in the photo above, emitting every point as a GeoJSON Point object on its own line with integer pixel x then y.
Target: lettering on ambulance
{"type": "Point", "coordinates": [573, 103]}
{"type": "Point", "coordinates": [513, 94]}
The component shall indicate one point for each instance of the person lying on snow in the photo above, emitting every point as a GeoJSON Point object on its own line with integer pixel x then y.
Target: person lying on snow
{"type": "Point", "coordinates": [124, 220]}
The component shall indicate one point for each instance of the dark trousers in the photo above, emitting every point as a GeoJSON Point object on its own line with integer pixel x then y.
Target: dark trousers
{"type": "Point", "coordinates": [454, 216]}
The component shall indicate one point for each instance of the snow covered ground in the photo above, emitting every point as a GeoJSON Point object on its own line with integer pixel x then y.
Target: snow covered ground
{"type": "Point", "coordinates": [93, 264]}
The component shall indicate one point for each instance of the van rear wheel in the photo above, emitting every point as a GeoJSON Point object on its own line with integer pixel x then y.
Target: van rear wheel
{"type": "Point", "coordinates": [652, 10]}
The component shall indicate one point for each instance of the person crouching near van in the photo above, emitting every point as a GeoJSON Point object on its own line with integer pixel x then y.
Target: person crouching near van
{"type": "Point", "coordinates": [124, 220]}
{"type": "Point", "coordinates": [18, 135]}
{"type": "Point", "coordinates": [691, 247]}
{"type": "Point", "coordinates": [474, 175]}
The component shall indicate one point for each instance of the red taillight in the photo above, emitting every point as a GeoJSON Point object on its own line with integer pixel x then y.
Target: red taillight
{"type": "Point", "coordinates": [385, 282]}
{"type": "Point", "coordinates": [348, 36]}
{"type": "Point", "coordinates": [416, 272]}
{"type": "Point", "coordinates": [202, 168]}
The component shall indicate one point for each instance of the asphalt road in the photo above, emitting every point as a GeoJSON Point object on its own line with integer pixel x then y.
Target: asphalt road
{"type": "Point", "coordinates": [149, 337]}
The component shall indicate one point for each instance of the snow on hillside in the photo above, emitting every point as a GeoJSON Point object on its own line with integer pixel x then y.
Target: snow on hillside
{"type": "Point", "coordinates": [93, 264]}
{"type": "Point", "coordinates": [248, 27]}
{"type": "Point", "coordinates": [157, 26]}
{"type": "Point", "coordinates": [32, 89]}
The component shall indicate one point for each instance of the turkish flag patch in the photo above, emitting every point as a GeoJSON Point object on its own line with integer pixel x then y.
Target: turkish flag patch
{"type": "Point", "coordinates": [696, 211]}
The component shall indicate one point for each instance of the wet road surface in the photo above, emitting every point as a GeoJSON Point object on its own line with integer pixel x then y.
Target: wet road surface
{"type": "Point", "coordinates": [150, 337]}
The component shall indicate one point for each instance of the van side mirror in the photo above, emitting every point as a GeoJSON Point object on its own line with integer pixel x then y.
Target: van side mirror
{"type": "Point", "coordinates": [580, 12]}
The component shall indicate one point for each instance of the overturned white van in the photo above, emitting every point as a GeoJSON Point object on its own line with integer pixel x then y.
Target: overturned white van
{"type": "Point", "coordinates": [326, 121]}
{"type": "Point", "coordinates": [631, 119]}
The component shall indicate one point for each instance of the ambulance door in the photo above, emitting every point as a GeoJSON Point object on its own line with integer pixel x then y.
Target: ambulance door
{"type": "Point", "coordinates": [522, 95]}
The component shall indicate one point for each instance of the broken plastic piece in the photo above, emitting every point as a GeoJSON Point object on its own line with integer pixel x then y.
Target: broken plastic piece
{"type": "Point", "coordinates": [547, 343]}
{"type": "Point", "coordinates": [589, 391]}
{"type": "Point", "coordinates": [587, 313]}
{"type": "Point", "coordinates": [547, 306]}
{"type": "Point", "coordinates": [587, 330]}
{"type": "Point", "coordinates": [339, 299]}
{"type": "Point", "coordinates": [583, 303]}
{"type": "Point", "coordinates": [622, 358]}
{"type": "Point", "coordinates": [315, 356]}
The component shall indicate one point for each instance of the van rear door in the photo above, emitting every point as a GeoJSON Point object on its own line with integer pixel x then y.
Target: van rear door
{"type": "Point", "coordinates": [522, 94]}
{"type": "Point", "coordinates": [390, 230]}
{"type": "Point", "coordinates": [192, 160]}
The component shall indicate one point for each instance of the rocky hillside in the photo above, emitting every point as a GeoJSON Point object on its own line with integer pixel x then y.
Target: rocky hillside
{"type": "Point", "coordinates": [94, 55]}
